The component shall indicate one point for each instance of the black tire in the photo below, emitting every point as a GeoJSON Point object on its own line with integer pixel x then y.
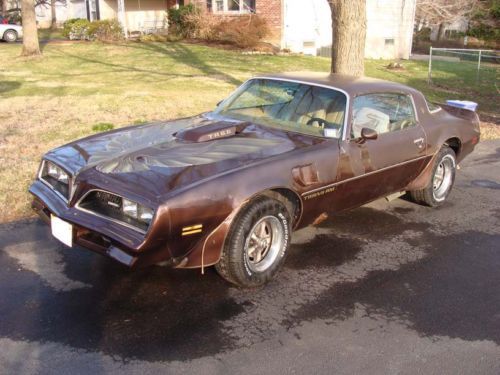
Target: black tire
{"type": "Point", "coordinates": [10, 36]}
{"type": "Point", "coordinates": [429, 196]}
{"type": "Point", "coordinates": [238, 263]}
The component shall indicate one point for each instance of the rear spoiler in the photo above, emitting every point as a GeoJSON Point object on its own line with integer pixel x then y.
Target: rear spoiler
{"type": "Point", "coordinates": [461, 113]}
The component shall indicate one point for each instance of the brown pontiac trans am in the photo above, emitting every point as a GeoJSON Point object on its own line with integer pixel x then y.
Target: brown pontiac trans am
{"type": "Point", "coordinates": [228, 187]}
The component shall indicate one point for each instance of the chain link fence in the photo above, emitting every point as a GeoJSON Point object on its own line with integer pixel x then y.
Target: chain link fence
{"type": "Point", "coordinates": [468, 68]}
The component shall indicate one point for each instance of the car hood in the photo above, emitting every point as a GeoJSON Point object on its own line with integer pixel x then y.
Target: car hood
{"type": "Point", "coordinates": [155, 159]}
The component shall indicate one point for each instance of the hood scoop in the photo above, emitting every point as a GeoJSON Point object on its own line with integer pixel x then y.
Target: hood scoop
{"type": "Point", "coordinates": [211, 132]}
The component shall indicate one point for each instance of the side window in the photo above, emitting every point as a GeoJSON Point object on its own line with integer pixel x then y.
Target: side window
{"type": "Point", "coordinates": [432, 106]}
{"type": "Point", "coordinates": [383, 112]}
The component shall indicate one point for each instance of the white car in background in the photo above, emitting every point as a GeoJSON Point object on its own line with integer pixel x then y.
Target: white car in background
{"type": "Point", "coordinates": [10, 33]}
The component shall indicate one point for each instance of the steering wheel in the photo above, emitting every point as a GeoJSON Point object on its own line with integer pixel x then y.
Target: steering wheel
{"type": "Point", "coordinates": [321, 122]}
{"type": "Point", "coordinates": [406, 124]}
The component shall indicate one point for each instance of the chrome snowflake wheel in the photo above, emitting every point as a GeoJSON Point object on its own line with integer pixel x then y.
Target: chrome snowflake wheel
{"type": "Point", "coordinates": [264, 243]}
{"type": "Point", "coordinates": [443, 178]}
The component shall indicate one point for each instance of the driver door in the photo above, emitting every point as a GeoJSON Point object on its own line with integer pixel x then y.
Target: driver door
{"type": "Point", "coordinates": [370, 169]}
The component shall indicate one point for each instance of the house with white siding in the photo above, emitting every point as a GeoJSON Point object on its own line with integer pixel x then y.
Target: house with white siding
{"type": "Point", "coordinates": [303, 26]}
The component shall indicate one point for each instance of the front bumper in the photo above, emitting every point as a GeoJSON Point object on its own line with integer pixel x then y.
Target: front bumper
{"type": "Point", "coordinates": [123, 244]}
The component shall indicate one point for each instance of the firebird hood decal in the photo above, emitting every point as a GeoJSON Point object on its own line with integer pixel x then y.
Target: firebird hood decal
{"type": "Point", "coordinates": [111, 147]}
{"type": "Point", "coordinates": [153, 159]}
{"type": "Point", "coordinates": [174, 154]}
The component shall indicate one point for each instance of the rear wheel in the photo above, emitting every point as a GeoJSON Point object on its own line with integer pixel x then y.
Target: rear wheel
{"type": "Point", "coordinates": [441, 182]}
{"type": "Point", "coordinates": [256, 244]}
{"type": "Point", "coordinates": [10, 36]}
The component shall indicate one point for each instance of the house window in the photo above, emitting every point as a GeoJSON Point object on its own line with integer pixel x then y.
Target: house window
{"type": "Point", "coordinates": [389, 41]}
{"type": "Point", "coordinates": [231, 6]}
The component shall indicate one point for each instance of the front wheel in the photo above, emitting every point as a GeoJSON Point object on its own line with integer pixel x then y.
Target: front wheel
{"type": "Point", "coordinates": [257, 243]}
{"type": "Point", "coordinates": [441, 182]}
{"type": "Point", "coordinates": [10, 36]}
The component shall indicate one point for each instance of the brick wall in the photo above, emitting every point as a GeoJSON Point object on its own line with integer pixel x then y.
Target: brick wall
{"type": "Point", "coordinates": [271, 11]}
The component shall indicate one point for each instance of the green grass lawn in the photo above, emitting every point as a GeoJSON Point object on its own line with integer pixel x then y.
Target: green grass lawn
{"type": "Point", "coordinates": [80, 88]}
{"type": "Point", "coordinates": [47, 34]}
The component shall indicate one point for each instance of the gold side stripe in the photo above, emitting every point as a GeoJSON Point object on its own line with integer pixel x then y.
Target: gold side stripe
{"type": "Point", "coordinates": [191, 232]}
{"type": "Point", "coordinates": [192, 227]}
{"type": "Point", "coordinates": [364, 175]}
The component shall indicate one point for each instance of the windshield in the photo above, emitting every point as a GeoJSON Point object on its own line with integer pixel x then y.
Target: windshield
{"type": "Point", "coordinates": [291, 106]}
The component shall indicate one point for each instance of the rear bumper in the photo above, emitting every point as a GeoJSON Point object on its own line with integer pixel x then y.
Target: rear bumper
{"type": "Point", "coordinates": [120, 243]}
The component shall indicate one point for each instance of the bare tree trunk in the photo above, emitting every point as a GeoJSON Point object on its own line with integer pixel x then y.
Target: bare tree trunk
{"type": "Point", "coordinates": [53, 23]}
{"type": "Point", "coordinates": [31, 47]}
{"type": "Point", "coordinates": [4, 8]}
{"type": "Point", "coordinates": [349, 35]}
{"type": "Point", "coordinates": [441, 31]}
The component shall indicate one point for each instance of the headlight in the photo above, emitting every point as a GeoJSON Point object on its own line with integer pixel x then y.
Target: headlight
{"type": "Point", "coordinates": [137, 211]}
{"type": "Point", "coordinates": [56, 177]}
{"type": "Point", "coordinates": [117, 208]}
{"type": "Point", "coordinates": [57, 173]}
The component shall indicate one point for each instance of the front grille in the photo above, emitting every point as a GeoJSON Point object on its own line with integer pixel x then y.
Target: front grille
{"type": "Point", "coordinates": [109, 205]}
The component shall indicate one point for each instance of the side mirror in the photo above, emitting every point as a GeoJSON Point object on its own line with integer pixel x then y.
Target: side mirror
{"type": "Point", "coordinates": [367, 133]}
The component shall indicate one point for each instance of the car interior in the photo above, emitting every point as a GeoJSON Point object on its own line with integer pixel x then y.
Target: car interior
{"type": "Point", "coordinates": [299, 106]}
{"type": "Point", "coordinates": [384, 113]}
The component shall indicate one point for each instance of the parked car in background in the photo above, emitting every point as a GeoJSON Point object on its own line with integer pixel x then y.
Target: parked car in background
{"type": "Point", "coordinates": [228, 187]}
{"type": "Point", "coordinates": [10, 32]}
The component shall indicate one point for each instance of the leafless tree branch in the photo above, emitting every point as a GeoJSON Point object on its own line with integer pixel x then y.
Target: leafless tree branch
{"type": "Point", "coordinates": [436, 12]}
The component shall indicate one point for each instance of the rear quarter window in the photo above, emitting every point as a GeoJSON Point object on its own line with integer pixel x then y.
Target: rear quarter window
{"type": "Point", "coordinates": [432, 107]}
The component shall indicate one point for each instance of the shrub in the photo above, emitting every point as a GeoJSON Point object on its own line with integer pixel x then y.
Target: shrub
{"type": "Point", "coordinates": [153, 38]}
{"type": "Point", "coordinates": [76, 29]}
{"type": "Point", "coordinates": [484, 31]}
{"type": "Point", "coordinates": [202, 26]}
{"type": "Point", "coordinates": [106, 30]}
{"type": "Point", "coordinates": [82, 29]}
{"type": "Point", "coordinates": [67, 25]}
{"type": "Point", "coordinates": [178, 20]}
{"type": "Point", "coordinates": [243, 31]}
{"type": "Point", "coordinates": [423, 34]}
{"type": "Point", "coordinates": [173, 37]}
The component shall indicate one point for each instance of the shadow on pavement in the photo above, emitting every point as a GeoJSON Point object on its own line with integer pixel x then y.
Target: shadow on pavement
{"type": "Point", "coordinates": [164, 314]}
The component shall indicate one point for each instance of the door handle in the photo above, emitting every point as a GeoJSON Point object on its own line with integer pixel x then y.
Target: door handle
{"type": "Point", "coordinates": [419, 142]}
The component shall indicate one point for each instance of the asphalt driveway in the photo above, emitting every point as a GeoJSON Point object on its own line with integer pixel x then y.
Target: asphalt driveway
{"type": "Point", "coordinates": [389, 288]}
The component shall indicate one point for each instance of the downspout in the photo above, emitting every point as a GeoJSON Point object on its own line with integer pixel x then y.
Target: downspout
{"type": "Point", "coordinates": [283, 23]}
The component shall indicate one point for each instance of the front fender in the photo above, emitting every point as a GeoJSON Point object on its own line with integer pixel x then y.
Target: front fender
{"type": "Point", "coordinates": [208, 251]}
{"type": "Point", "coordinates": [201, 215]}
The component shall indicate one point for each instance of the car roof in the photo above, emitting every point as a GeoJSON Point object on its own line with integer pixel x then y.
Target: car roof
{"type": "Point", "coordinates": [352, 85]}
